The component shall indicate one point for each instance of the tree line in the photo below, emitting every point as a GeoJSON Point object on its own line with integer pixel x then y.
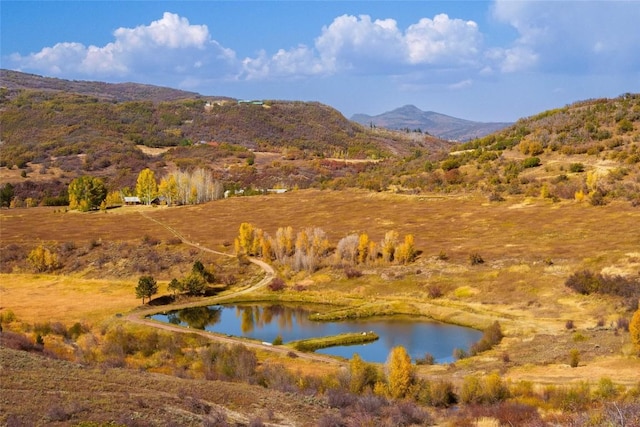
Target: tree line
{"type": "Point", "coordinates": [309, 248]}
{"type": "Point", "coordinates": [176, 188]}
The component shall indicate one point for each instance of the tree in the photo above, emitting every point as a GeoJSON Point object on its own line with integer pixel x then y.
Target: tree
{"type": "Point", "coordinates": [86, 193]}
{"type": "Point", "coordinates": [146, 186]}
{"type": "Point", "coordinates": [244, 243]}
{"type": "Point", "coordinates": [363, 248]}
{"type": "Point", "coordinates": [388, 245]}
{"type": "Point", "coordinates": [199, 268]}
{"type": "Point", "coordinates": [406, 252]}
{"type": "Point", "coordinates": [634, 330]}
{"type": "Point", "coordinates": [194, 284]}
{"type": "Point", "coordinates": [175, 286]}
{"type": "Point", "coordinates": [362, 375]}
{"type": "Point", "coordinates": [400, 372]}
{"type": "Point", "coordinates": [168, 188]}
{"type": "Point", "coordinates": [6, 195]}
{"type": "Point", "coordinates": [147, 287]}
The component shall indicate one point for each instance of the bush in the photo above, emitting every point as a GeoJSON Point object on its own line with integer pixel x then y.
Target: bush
{"type": "Point", "coordinates": [569, 325]}
{"type": "Point", "coordinates": [475, 259]}
{"type": "Point", "coordinates": [576, 167]}
{"type": "Point", "coordinates": [634, 330]}
{"type": "Point", "coordinates": [441, 394]}
{"type": "Point", "coordinates": [434, 291]}
{"type": "Point", "coordinates": [352, 273]}
{"type": "Point", "coordinates": [574, 358]}
{"type": "Point", "coordinates": [277, 284]}
{"type": "Point", "coordinates": [428, 359]}
{"type": "Point", "coordinates": [586, 282]}
{"type": "Point", "coordinates": [531, 162]}
{"type": "Point", "coordinates": [490, 338]}
{"type": "Point", "coordinates": [459, 354]}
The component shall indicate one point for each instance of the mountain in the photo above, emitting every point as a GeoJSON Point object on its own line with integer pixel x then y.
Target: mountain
{"type": "Point", "coordinates": [446, 127]}
{"type": "Point", "coordinates": [14, 80]}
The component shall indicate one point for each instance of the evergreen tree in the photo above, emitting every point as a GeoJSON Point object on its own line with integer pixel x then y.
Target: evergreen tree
{"type": "Point", "coordinates": [147, 287]}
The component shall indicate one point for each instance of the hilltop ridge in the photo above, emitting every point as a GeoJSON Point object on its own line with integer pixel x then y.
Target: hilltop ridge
{"type": "Point", "coordinates": [410, 117]}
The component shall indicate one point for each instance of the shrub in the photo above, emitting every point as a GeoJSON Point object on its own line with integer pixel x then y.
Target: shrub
{"type": "Point", "coordinates": [634, 330]}
{"type": "Point", "coordinates": [569, 324]}
{"type": "Point", "coordinates": [434, 291]}
{"type": "Point", "coordinates": [459, 354]}
{"type": "Point", "coordinates": [441, 394]}
{"type": "Point", "coordinates": [586, 282]}
{"type": "Point", "coordinates": [276, 284]}
{"type": "Point", "coordinates": [622, 323]}
{"type": "Point", "coordinates": [531, 162]}
{"type": "Point", "coordinates": [475, 259]}
{"type": "Point", "coordinates": [277, 340]}
{"type": "Point", "coordinates": [428, 359]}
{"type": "Point", "coordinates": [490, 337]}
{"type": "Point", "coordinates": [43, 259]}
{"type": "Point", "coordinates": [352, 273]}
{"type": "Point", "coordinates": [576, 167]}
{"type": "Point", "coordinates": [574, 358]}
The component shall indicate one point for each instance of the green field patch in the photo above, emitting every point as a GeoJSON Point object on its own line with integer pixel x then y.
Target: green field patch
{"type": "Point", "coordinates": [313, 344]}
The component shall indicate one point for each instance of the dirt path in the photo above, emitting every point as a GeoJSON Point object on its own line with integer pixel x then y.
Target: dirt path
{"type": "Point", "coordinates": [140, 317]}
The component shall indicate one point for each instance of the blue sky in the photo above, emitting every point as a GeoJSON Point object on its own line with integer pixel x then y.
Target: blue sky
{"type": "Point", "coordinates": [480, 60]}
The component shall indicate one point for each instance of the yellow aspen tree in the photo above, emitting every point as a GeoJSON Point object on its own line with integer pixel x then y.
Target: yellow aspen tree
{"type": "Point", "coordinates": [146, 186]}
{"type": "Point", "coordinates": [320, 242]}
{"type": "Point", "coordinates": [634, 330]}
{"type": "Point", "coordinates": [256, 243]}
{"type": "Point", "coordinates": [372, 252]}
{"type": "Point", "coordinates": [406, 252]}
{"type": "Point", "coordinates": [592, 181]}
{"type": "Point", "coordinates": [168, 188]}
{"type": "Point", "coordinates": [285, 240]}
{"type": "Point", "coordinates": [266, 249]}
{"type": "Point", "coordinates": [302, 242]}
{"type": "Point", "coordinates": [363, 248]}
{"type": "Point", "coordinates": [245, 238]}
{"type": "Point", "coordinates": [362, 375]}
{"type": "Point", "coordinates": [401, 372]}
{"type": "Point", "coordinates": [388, 245]}
{"type": "Point", "coordinates": [43, 259]}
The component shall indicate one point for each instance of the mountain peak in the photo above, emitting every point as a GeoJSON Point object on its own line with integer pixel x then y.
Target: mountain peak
{"type": "Point", "coordinates": [446, 127]}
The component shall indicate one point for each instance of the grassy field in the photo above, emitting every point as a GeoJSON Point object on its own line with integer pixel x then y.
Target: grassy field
{"type": "Point", "coordinates": [529, 248]}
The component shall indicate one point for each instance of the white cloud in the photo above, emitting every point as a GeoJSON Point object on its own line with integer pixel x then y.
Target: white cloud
{"type": "Point", "coordinates": [572, 36]}
{"type": "Point", "coordinates": [360, 45]}
{"type": "Point", "coordinates": [170, 45]}
{"type": "Point", "coordinates": [358, 42]}
{"type": "Point", "coordinates": [443, 40]}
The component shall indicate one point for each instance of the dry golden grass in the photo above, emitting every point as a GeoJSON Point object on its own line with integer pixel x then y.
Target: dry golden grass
{"type": "Point", "coordinates": [530, 247]}
{"type": "Point", "coordinates": [66, 299]}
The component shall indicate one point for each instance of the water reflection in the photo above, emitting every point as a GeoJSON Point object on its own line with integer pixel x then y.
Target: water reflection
{"type": "Point", "coordinates": [265, 322]}
{"type": "Point", "coordinates": [195, 317]}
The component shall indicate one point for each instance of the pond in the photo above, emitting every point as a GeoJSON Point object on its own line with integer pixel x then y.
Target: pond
{"type": "Point", "coordinates": [264, 322]}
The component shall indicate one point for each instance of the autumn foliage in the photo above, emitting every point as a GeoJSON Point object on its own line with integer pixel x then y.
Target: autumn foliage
{"type": "Point", "coordinates": [309, 249]}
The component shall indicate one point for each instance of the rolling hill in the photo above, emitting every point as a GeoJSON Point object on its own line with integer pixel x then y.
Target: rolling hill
{"type": "Point", "coordinates": [51, 134]}
{"type": "Point", "coordinates": [446, 127]}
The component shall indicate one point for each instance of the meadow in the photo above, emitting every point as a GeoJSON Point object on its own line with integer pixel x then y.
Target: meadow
{"type": "Point", "coordinates": [529, 247]}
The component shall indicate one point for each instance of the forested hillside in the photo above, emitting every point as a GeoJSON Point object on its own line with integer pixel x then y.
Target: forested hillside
{"type": "Point", "coordinates": [55, 130]}
{"type": "Point", "coordinates": [51, 134]}
{"type": "Point", "coordinates": [589, 151]}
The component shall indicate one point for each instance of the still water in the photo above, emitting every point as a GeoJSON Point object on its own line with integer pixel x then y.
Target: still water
{"type": "Point", "coordinates": [265, 322]}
